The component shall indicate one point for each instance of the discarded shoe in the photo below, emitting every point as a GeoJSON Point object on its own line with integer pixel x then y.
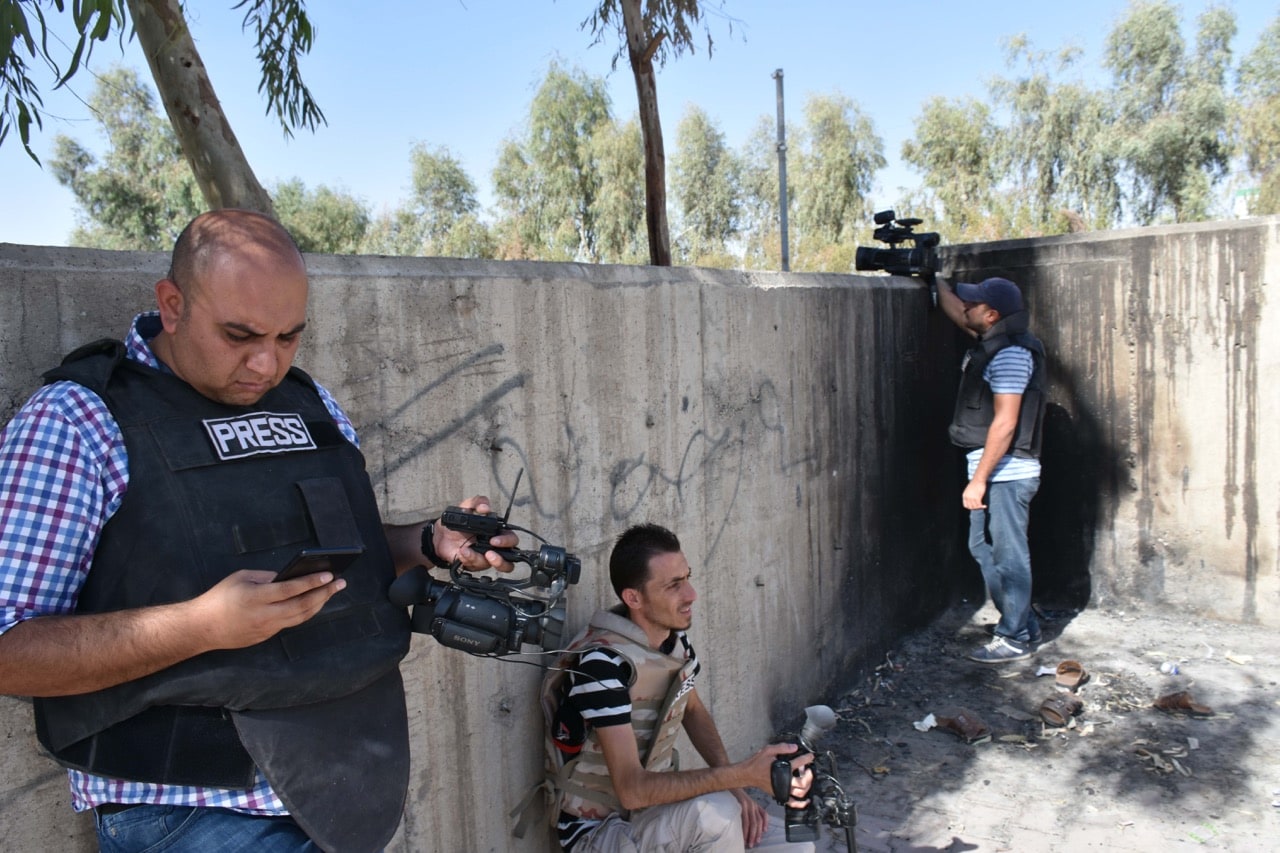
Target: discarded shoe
{"type": "Point", "coordinates": [1070, 674]}
{"type": "Point", "coordinates": [1000, 650]}
{"type": "Point", "coordinates": [1058, 710]}
{"type": "Point", "coordinates": [965, 724]}
{"type": "Point", "coordinates": [1182, 701]}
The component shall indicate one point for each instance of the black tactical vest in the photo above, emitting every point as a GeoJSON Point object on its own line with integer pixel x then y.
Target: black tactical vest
{"type": "Point", "coordinates": [975, 404]}
{"type": "Point", "coordinates": [214, 489]}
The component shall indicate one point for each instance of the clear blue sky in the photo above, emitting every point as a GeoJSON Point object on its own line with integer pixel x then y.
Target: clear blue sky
{"type": "Point", "coordinates": [461, 74]}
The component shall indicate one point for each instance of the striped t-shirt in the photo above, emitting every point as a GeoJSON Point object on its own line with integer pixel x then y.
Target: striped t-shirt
{"type": "Point", "coordinates": [1008, 372]}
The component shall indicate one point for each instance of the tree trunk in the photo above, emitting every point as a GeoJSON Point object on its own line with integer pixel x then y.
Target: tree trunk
{"type": "Point", "coordinates": [217, 161]}
{"type": "Point", "coordinates": [640, 48]}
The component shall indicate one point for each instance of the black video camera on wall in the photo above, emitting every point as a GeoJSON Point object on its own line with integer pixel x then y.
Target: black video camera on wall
{"type": "Point", "coordinates": [920, 260]}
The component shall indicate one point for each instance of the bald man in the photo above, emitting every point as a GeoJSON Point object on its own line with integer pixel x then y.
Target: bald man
{"type": "Point", "coordinates": [151, 492]}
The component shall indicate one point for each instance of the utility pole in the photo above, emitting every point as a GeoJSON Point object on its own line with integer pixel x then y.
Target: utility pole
{"type": "Point", "coordinates": [782, 175]}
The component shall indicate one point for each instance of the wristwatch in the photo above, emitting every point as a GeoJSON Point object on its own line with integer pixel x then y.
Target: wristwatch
{"type": "Point", "coordinates": [429, 545]}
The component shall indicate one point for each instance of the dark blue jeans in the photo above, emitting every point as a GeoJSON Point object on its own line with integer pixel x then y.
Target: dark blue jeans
{"type": "Point", "coordinates": [998, 541]}
{"type": "Point", "coordinates": [181, 828]}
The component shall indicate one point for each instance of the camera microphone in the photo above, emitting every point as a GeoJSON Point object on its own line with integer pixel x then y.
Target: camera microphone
{"type": "Point", "coordinates": [818, 720]}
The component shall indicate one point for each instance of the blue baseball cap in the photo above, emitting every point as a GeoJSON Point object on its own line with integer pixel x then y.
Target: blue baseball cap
{"type": "Point", "coordinates": [999, 293]}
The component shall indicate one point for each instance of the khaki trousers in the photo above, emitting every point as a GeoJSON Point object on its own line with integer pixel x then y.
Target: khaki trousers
{"type": "Point", "coordinates": [707, 824]}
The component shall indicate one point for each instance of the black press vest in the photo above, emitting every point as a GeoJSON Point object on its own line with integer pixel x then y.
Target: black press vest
{"type": "Point", "coordinates": [975, 404]}
{"type": "Point", "coordinates": [214, 489]}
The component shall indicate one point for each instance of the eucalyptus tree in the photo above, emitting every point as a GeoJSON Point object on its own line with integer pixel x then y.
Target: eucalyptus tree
{"type": "Point", "coordinates": [1258, 95]}
{"type": "Point", "coordinates": [619, 206]}
{"type": "Point", "coordinates": [443, 192]}
{"type": "Point", "coordinates": [323, 219]}
{"type": "Point", "coordinates": [1172, 109]}
{"type": "Point", "coordinates": [282, 31]}
{"type": "Point", "coordinates": [140, 194]}
{"type": "Point", "coordinates": [761, 203]}
{"type": "Point", "coordinates": [955, 147]}
{"type": "Point", "coordinates": [444, 200]}
{"type": "Point", "coordinates": [546, 182]}
{"type": "Point", "coordinates": [651, 32]}
{"type": "Point", "coordinates": [837, 158]}
{"type": "Point", "coordinates": [705, 180]}
{"type": "Point", "coordinates": [1060, 145]}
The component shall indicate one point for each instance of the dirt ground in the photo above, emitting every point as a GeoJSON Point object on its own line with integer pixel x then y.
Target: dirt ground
{"type": "Point", "coordinates": [1120, 776]}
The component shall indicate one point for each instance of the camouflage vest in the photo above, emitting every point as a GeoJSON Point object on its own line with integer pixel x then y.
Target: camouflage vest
{"type": "Point", "coordinates": [660, 685]}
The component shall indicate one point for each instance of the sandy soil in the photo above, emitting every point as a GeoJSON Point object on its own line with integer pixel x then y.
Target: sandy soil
{"type": "Point", "coordinates": [1122, 775]}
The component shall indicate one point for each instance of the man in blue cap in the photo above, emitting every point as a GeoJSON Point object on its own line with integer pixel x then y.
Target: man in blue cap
{"type": "Point", "coordinates": [998, 421]}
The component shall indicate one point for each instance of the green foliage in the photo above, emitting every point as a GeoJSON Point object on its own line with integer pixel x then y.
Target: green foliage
{"type": "Point", "coordinates": [955, 148]}
{"type": "Point", "coordinates": [836, 160]}
{"type": "Point", "coordinates": [440, 217]}
{"type": "Point", "coordinates": [761, 213]}
{"type": "Point", "coordinates": [547, 184]}
{"type": "Point", "coordinates": [618, 154]}
{"type": "Point", "coordinates": [1258, 89]}
{"type": "Point", "coordinates": [1152, 147]}
{"type": "Point", "coordinates": [705, 178]}
{"type": "Point", "coordinates": [1059, 151]}
{"type": "Point", "coordinates": [142, 194]}
{"type": "Point", "coordinates": [282, 32]}
{"type": "Point", "coordinates": [322, 220]}
{"type": "Point", "coordinates": [443, 192]}
{"type": "Point", "coordinates": [94, 21]}
{"type": "Point", "coordinates": [675, 19]}
{"type": "Point", "coordinates": [1172, 109]}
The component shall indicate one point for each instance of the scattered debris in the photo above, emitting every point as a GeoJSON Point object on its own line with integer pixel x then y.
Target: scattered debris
{"type": "Point", "coordinates": [1182, 701]}
{"type": "Point", "coordinates": [966, 724]}
{"type": "Point", "coordinates": [1070, 674]}
{"type": "Point", "coordinates": [1058, 710]}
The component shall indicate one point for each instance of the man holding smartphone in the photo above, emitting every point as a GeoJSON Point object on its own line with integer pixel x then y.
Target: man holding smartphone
{"type": "Point", "coordinates": [152, 491]}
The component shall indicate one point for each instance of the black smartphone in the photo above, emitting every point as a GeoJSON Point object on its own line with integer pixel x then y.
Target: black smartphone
{"type": "Point", "coordinates": [311, 560]}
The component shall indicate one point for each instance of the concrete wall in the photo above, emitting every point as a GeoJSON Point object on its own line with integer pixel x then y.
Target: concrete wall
{"type": "Point", "coordinates": [790, 427]}
{"type": "Point", "coordinates": [786, 426]}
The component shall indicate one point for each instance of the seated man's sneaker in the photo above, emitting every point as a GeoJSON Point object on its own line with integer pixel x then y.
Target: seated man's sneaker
{"type": "Point", "coordinates": [1000, 650]}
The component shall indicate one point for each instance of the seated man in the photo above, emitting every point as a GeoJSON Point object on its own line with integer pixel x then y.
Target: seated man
{"type": "Point", "coordinates": [625, 688]}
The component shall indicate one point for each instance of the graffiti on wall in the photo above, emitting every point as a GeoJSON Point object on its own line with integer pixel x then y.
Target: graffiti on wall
{"type": "Point", "coordinates": [745, 438]}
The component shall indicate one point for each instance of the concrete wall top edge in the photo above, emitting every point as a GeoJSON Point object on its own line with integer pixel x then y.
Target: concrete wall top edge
{"type": "Point", "coordinates": [1125, 234]}
{"type": "Point", "coordinates": [384, 267]}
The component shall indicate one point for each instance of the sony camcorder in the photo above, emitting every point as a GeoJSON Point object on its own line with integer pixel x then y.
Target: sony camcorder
{"type": "Point", "coordinates": [489, 616]}
{"type": "Point", "coordinates": [919, 260]}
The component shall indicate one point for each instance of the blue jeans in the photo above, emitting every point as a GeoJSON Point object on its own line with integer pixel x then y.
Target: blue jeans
{"type": "Point", "coordinates": [998, 541]}
{"type": "Point", "coordinates": [199, 830]}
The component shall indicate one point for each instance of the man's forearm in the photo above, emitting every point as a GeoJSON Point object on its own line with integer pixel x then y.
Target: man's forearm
{"type": "Point", "coordinates": [655, 789]}
{"type": "Point", "coordinates": [999, 439]}
{"type": "Point", "coordinates": [405, 541]}
{"type": "Point", "coordinates": [64, 655]}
